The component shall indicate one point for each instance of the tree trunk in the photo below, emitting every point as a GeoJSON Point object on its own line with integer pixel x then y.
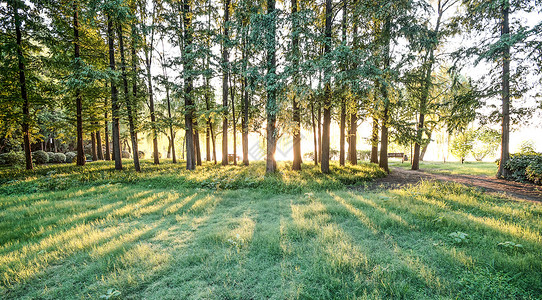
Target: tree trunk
{"type": "Point", "coordinates": [115, 105]}
{"type": "Point", "coordinates": [94, 150]}
{"type": "Point", "coordinates": [197, 148]}
{"type": "Point", "coordinates": [384, 90]}
{"type": "Point", "coordinates": [129, 108]}
{"type": "Point", "coordinates": [343, 101]}
{"type": "Point", "coordinates": [99, 143]}
{"type": "Point", "coordinates": [225, 62]}
{"type": "Point", "coordinates": [106, 132]}
{"type": "Point", "coordinates": [271, 105]}
{"type": "Point", "coordinates": [154, 132]}
{"type": "Point", "coordinates": [188, 86]}
{"type": "Point", "coordinates": [22, 83]}
{"type": "Point", "coordinates": [244, 122]}
{"type": "Point", "coordinates": [315, 136]}
{"type": "Point", "coordinates": [296, 135]}
{"type": "Point", "coordinates": [505, 135]}
{"type": "Point", "coordinates": [319, 132]}
{"type": "Point", "coordinates": [324, 165]}
{"type": "Point", "coordinates": [352, 137]}
{"type": "Point", "coordinates": [207, 142]}
{"type": "Point", "coordinates": [78, 98]}
{"type": "Point", "coordinates": [168, 147]}
{"type": "Point", "coordinates": [234, 121]}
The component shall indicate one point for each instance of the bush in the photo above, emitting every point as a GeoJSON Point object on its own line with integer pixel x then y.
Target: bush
{"type": "Point", "coordinates": [40, 157]}
{"type": "Point", "coordinates": [88, 157]}
{"type": "Point", "coordinates": [12, 158]}
{"type": "Point", "coordinates": [525, 167]}
{"type": "Point", "coordinates": [58, 158]}
{"type": "Point", "coordinates": [159, 155]}
{"type": "Point", "coordinates": [364, 155]}
{"type": "Point", "coordinates": [125, 154]}
{"type": "Point", "coordinates": [141, 154]}
{"type": "Point", "coordinates": [50, 154]}
{"type": "Point", "coordinates": [70, 156]}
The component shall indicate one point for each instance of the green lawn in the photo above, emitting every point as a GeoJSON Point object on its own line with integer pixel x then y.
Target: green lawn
{"type": "Point", "coordinates": [453, 168]}
{"type": "Point", "coordinates": [232, 233]}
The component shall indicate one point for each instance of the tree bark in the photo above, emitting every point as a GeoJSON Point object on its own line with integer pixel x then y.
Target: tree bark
{"type": "Point", "coordinates": [374, 142]}
{"type": "Point", "coordinates": [315, 136]}
{"type": "Point", "coordinates": [94, 150]}
{"type": "Point", "coordinates": [342, 126]}
{"type": "Point", "coordinates": [188, 86]}
{"type": "Point", "coordinates": [234, 121]}
{"type": "Point", "coordinates": [271, 105]}
{"type": "Point", "coordinates": [296, 135]}
{"type": "Point", "coordinates": [154, 131]}
{"type": "Point", "coordinates": [324, 165]}
{"type": "Point", "coordinates": [78, 98]}
{"type": "Point", "coordinates": [99, 143]}
{"type": "Point", "coordinates": [319, 132]}
{"type": "Point", "coordinates": [115, 105]}
{"type": "Point", "coordinates": [225, 62]}
{"type": "Point", "coordinates": [505, 94]}
{"type": "Point", "coordinates": [128, 100]}
{"type": "Point", "coordinates": [384, 90]}
{"type": "Point", "coordinates": [352, 138]}
{"type": "Point", "coordinates": [22, 83]}
{"type": "Point", "coordinates": [197, 148]}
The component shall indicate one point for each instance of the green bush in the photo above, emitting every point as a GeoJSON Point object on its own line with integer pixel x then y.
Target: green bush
{"type": "Point", "coordinates": [141, 154]}
{"type": "Point", "coordinates": [40, 157]}
{"type": "Point", "coordinates": [58, 158]}
{"type": "Point", "coordinates": [525, 167]}
{"type": "Point", "coordinates": [70, 156]}
{"type": "Point", "coordinates": [12, 158]}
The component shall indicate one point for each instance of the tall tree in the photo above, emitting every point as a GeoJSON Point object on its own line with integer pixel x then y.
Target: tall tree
{"type": "Point", "coordinates": [188, 86]}
{"type": "Point", "coordinates": [78, 97]}
{"type": "Point", "coordinates": [296, 136]}
{"type": "Point", "coordinates": [327, 91]}
{"type": "Point", "coordinates": [115, 105]}
{"type": "Point", "coordinates": [225, 71]}
{"type": "Point", "coordinates": [270, 81]}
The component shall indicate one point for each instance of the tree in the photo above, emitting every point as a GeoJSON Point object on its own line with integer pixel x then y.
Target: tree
{"type": "Point", "coordinates": [225, 66]}
{"type": "Point", "coordinates": [462, 144]}
{"type": "Point", "coordinates": [271, 88]}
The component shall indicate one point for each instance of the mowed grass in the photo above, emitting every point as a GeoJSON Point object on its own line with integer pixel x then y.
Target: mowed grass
{"type": "Point", "coordinates": [149, 236]}
{"type": "Point", "coordinates": [488, 169]}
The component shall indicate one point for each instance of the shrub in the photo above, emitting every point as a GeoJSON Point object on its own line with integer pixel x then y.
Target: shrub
{"type": "Point", "coordinates": [50, 154]}
{"type": "Point", "coordinates": [125, 154]}
{"type": "Point", "coordinates": [58, 158]}
{"type": "Point", "coordinates": [159, 155]}
{"type": "Point", "coordinates": [12, 158]}
{"type": "Point", "coordinates": [70, 156]}
{"type": "Point", "coordinates": [525, 167]}
{"type": "Point", "coordinates": [40, 157]}
{"type": "Point", "coordinates": [88, 157]}
{"type": "Point", "coordinates": [141, 154]}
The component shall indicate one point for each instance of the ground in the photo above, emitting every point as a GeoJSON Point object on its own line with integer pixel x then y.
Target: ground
{"type": "Point", "coordinates": [233, 233]}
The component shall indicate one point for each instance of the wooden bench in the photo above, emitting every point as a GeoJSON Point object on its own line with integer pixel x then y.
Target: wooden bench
{"type": "Point", "coordinates": [402, 156]}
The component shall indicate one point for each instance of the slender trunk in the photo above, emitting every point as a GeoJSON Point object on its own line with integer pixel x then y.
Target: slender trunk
{"type": "Point", "coordinates": [213, 139]}
{"type": "Point", "coordinates": [225, 61]}
{"type": "Point", "coordinates": [171, 133]}
{"type": "Point", "coordinates": [154, 132]}
{"type": "Point", "coordinates": [22, 83]}
{"type": "Point", "coordinates": [383, 163]}
{"type": "Point", "coordinates": [168, 147]}
{"type": "Point", "coordinates": [115, 105]}
{"type": "Point", "coordinates": [188, 86]}
{"type": "Point", "coordinates": [319, 132]}
{"type": "Point", "coordinates": [106, 130]}
{"type": "Point", "coordinates": [210, 135]}
{"type": "Point", "coordinates": [352, 137]}
{"type": "Point", "coordinates": [207, 142]}
{"type": "Point", "coordinates": [296, 134]}
{"type": "Point", "coordinates": [234, 121]}
{"type": "Point", "coordinates": [129, 108]}
{"type": "Point", "coordinates": [99, 143]}
{"type": "Point", "coordinates": [78, 98]}
{"type": "Point", "coordinates": [505, 136]}
{"type": "Point", "coordinates": [342, 127]}
{"type": "Point", "coordinates": [271, 105]}
{"type": "Point", "coordinates": [244, 122]}
{"type": "Point", "coordinates": [314, 136]}
{"type": "Point", "coordinates": [342, 135]}
{"type": "Point", "coordinates": [197, 148]}
{"type": "Point", "coordinates": [94, 150]}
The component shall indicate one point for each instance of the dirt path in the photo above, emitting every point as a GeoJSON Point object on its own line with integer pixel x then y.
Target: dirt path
{"type": "Point", "coordinates": [400, 177]}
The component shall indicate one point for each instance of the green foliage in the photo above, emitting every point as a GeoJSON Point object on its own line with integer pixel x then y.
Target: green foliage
{"type": "Point", "coordinates": [527, 147]}
{"type": "Point", "coordinates": [40, 157]}
{"type": "Point", "coordinates": [462, 144]}
{"type": "Point", "coordinates": [486, 143]}
{"type": "Point", "coordinates": [12, 158]}
{"type": "Point", "coordinates": [58, 158]}
{"type": "Point", "coordinates": [70, 156]}
{"type": "Point", "coordinates": [459, 237]}
{"type": "Point", "coordinates": [525, 167]}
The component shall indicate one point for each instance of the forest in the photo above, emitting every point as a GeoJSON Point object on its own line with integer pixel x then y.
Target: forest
{"type": "Point", "coordinates": [96, 77]}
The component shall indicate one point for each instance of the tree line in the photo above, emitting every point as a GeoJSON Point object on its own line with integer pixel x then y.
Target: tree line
{"type": "Point", "coordinates": [114, 70]}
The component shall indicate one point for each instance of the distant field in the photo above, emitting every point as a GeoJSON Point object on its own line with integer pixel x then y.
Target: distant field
{"type": "Point", "coordinates": [233, 233]}
{"type": "Point", "coordinates": [453, 168]}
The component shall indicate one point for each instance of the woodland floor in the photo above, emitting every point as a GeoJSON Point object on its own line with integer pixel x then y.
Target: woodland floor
{"type": "Point", "coordinates": [91, 232]}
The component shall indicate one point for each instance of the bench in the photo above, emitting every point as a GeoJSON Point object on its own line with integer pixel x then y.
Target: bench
{"type": "Point", "coordinates": [401, 155]}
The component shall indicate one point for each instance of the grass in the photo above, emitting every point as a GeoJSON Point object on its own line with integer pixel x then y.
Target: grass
{"type": "Point", "coordinates": [453, 168]}
{"type": "Point", "coordinates": [168, 234]}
